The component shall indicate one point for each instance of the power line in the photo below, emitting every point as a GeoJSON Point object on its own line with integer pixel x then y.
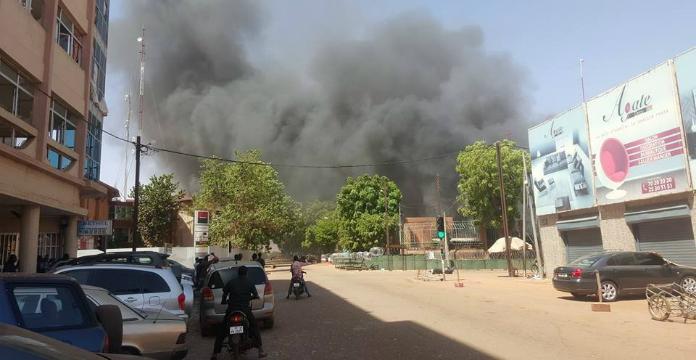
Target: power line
{"type": "Point", "coordinates": [302, 166]}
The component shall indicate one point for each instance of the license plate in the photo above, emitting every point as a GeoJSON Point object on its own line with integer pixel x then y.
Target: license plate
{"type": "Point", "coordinates": [562, 276]}
{"type": "Point", "coordinates": [236, 330]}
{"type": "Point", "coordinates": [296, 285]}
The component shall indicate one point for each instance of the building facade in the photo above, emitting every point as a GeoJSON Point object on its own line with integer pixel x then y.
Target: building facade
{"type": "Point", "coordinates": [52, 80]}
{"type": "Point", "coordinates": [617, 172]}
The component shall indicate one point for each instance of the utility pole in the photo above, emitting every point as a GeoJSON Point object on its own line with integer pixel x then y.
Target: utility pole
{"type": "Point", "coordinates": [503, 205]}
{"type": "Point", "coordinates": [386, 215]}
{"type": "Point", "coordinates": [524, 214]}
{"type": "Point", "coordinates": [136, 200]}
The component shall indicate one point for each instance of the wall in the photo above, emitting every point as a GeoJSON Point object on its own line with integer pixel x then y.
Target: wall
{"type": "Point", "coordinates": [22, 37]}
{"type": "Point", "coordinates": [616, 234]}
{"type": "Point", "coordinates": [552, 244]}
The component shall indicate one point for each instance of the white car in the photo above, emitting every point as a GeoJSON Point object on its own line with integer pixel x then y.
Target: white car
{"type": "Point", "coordinates": [142, 287]}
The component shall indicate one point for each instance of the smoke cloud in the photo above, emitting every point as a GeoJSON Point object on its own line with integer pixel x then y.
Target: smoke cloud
{"type": "Point", "coordinates": [408, 89]}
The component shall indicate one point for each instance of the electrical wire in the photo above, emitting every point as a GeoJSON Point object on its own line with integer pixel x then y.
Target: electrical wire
{"type": "Point", "coordinates": [302, 166]}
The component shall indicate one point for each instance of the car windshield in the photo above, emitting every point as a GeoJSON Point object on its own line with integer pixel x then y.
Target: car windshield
{"type": "Point", "coordinates": [586, 261]}
{"type": "Point", "coordinates": [221, 277]}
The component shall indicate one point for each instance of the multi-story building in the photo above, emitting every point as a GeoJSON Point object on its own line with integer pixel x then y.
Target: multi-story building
{"type": "Point", "coordinates": [52, 79]}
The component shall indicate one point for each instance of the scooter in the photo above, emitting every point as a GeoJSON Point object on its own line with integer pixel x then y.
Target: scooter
{"type": "Point", "coordinates": [238, 340]}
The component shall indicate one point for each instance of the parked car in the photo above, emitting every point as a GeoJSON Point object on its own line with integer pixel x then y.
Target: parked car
{"type": "Point", "coordinates": [56, 306]}
{"type": "Point", "coordinates": [125, 257]}
{"type": "Point", "coordinates": [621, 273]}
{"type": "Point", "coordinates": [159, 335]}
{"type": "Point", "coordinates": [211, 309]}
{"type": "Point", "coordinates": [142, 287]}
{"type": "Point", "coordinates": [19, 344]}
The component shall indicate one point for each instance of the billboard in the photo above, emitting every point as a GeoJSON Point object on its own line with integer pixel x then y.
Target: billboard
{"type": "Point", "coordinates": [94, 227]}
{"type": "Point", "coordinates": [686, 80]}
{"type": "Point", "coordinates": [561, 166]}
{"type": "Point", "coordinates": [201, 219]}
{"type": "Point", "coordinates": [636, 139]}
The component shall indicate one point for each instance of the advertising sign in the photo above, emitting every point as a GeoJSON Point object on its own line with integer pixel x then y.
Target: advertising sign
{"type": "Point", "coordinates": [561, 166]}
{"type": "Point", "coordinates": [686, 79]}
{"type": "Point", "coordinates": [636, 139]}
{"type": "Point", "coordinates": [200, 227]}
{"type": "Point", "coordinates": [94, 227]}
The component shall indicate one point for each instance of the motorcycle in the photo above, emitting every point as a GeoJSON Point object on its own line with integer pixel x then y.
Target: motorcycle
{"type": "Point", "coordinates": [298, 287]}
{"type": "Point", "coordinates": [238, 340]}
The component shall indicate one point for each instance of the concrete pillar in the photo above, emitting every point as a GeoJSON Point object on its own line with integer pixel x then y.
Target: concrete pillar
{"type": "Point", "coordinates": [29, 238]}
{"type": "Point", "coordinates": [616, 233]}
{"type": "Point", "coordinates": [71, 237]}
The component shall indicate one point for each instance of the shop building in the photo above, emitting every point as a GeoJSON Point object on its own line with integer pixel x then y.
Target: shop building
{"type": "Point", "coordinates": [617, 173]}
{"type": "Point", "coordinates": [52, 79]}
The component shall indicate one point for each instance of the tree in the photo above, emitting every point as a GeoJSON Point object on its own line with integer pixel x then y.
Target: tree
{"type": "Point", "coordinates": [360, 207]}
{"type": "Point", "coordinates": [249, 204]}
{"type": "Point", "coordinates": [322, 235]}
{"type": "Point", "coordinates": [159, 207]}
{"type": "Point", "coordinates": [479, 186]}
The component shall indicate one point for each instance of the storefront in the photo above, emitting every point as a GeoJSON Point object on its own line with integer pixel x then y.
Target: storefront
{"type": "Point", "coordinates": [667, 231]}
{"type": "Point", "coordinates": [582, 236]}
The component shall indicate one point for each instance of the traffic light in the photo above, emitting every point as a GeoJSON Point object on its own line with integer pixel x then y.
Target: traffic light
{"type": "Point", "coordinates": [441, 227]}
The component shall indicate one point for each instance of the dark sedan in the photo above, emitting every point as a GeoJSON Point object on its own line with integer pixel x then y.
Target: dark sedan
{"type": "Point", "coordinates": [621, 273]}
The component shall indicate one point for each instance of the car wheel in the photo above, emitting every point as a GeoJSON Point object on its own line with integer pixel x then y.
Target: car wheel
{"type": "Point", "coordinates": [610, 292]}
{"type": "Point", "coordinates": [688, 283]}
{"type": "Point", "coordinates": [268, 323]}
{"type": "Point", "coordinates": [578, 296]}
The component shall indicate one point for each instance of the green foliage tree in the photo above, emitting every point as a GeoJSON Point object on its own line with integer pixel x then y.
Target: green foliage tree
{"type": "Point", "coordinates": [159, 208]}
{"type": "Point", "coordinates": [249, 203]}
{"type": "Point", "coordinates": [322, 235]}
{"type": "Point", "coordinates": [361, 209]}
{"type": "Point", "coordinates": [479, 186]}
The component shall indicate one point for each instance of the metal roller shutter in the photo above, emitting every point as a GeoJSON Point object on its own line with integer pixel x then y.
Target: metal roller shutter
{"type": "Point", "coordinates": [673, 239]}
{"type": "Point", "coordinates": [582, 242]}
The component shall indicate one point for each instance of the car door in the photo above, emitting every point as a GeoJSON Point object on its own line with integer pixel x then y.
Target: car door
{"type": "Point", "coordinates": [622, 269]}
{"type": "Point", "coordinates": [156, 292]}
{"type": "Point", "coordinates": [654, 269]}
{"type": "Point", "coordinates": [124, 283]}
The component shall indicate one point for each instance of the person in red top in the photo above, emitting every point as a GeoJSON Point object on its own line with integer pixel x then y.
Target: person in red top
{"type": "Point", "coordinates": [296, 269]}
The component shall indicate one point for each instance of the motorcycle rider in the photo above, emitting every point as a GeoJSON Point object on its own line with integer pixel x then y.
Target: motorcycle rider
{"type": "Point", "coordinates": [297, 275]}
{"type": "Point", "coordinates": [237, 294]}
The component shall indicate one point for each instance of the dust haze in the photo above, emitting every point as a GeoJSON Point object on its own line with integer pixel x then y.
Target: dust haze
{"type": "Point", "coordinates": [407, 89]}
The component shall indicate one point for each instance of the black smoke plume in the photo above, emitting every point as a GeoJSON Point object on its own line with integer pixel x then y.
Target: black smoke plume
{"type": "Point", "coordinates": [408, 89]}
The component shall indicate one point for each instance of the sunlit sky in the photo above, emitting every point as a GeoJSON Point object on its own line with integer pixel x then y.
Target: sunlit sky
{"type": "Point", "coordinates": [617, 40]}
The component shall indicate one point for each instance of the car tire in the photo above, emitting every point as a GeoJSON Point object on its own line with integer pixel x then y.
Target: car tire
{"type": "Point", "coordinates": [688, 283]}
{"type": "Point", "coordinates": [578, 296]}
{"type": "Point", "coordinates": [610, 291]}
{"type": "Point", "coordinates": [268, 323]}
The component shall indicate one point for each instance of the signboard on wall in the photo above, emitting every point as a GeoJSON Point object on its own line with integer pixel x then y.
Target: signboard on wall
{"type": "Point", "coordinates": [94, 227]}
{"type": "Point", "coordinates": [686, 79]}
{"type": "Point", "coordinates": [636, 139]}
{"type": "Point", "coordinates": [201, 218]}
{"type": "Point", "coordinates": [561, 165]}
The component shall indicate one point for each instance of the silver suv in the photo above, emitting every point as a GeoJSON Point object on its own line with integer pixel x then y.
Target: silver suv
{"type": "Point", "coordinates": [212, 310]}
{"type": "Point", "coordinates": [144, 288]}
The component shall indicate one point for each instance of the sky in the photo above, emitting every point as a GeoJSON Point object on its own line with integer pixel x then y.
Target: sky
{"type": "Point", "coordinates": [617, 40]}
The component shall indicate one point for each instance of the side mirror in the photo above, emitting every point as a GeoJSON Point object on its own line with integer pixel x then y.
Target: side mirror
{"type": "Point", "coordinates": [112, 322]}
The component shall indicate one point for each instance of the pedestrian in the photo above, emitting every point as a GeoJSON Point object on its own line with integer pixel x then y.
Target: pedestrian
{"type": "Point", "coordinates": [11, 264]}
{"type": "Point", "coordinates": [261, 261]}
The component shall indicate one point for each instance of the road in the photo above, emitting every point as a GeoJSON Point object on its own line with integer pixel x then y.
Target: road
{"type": "Point", "coordinates": [381, 314]}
